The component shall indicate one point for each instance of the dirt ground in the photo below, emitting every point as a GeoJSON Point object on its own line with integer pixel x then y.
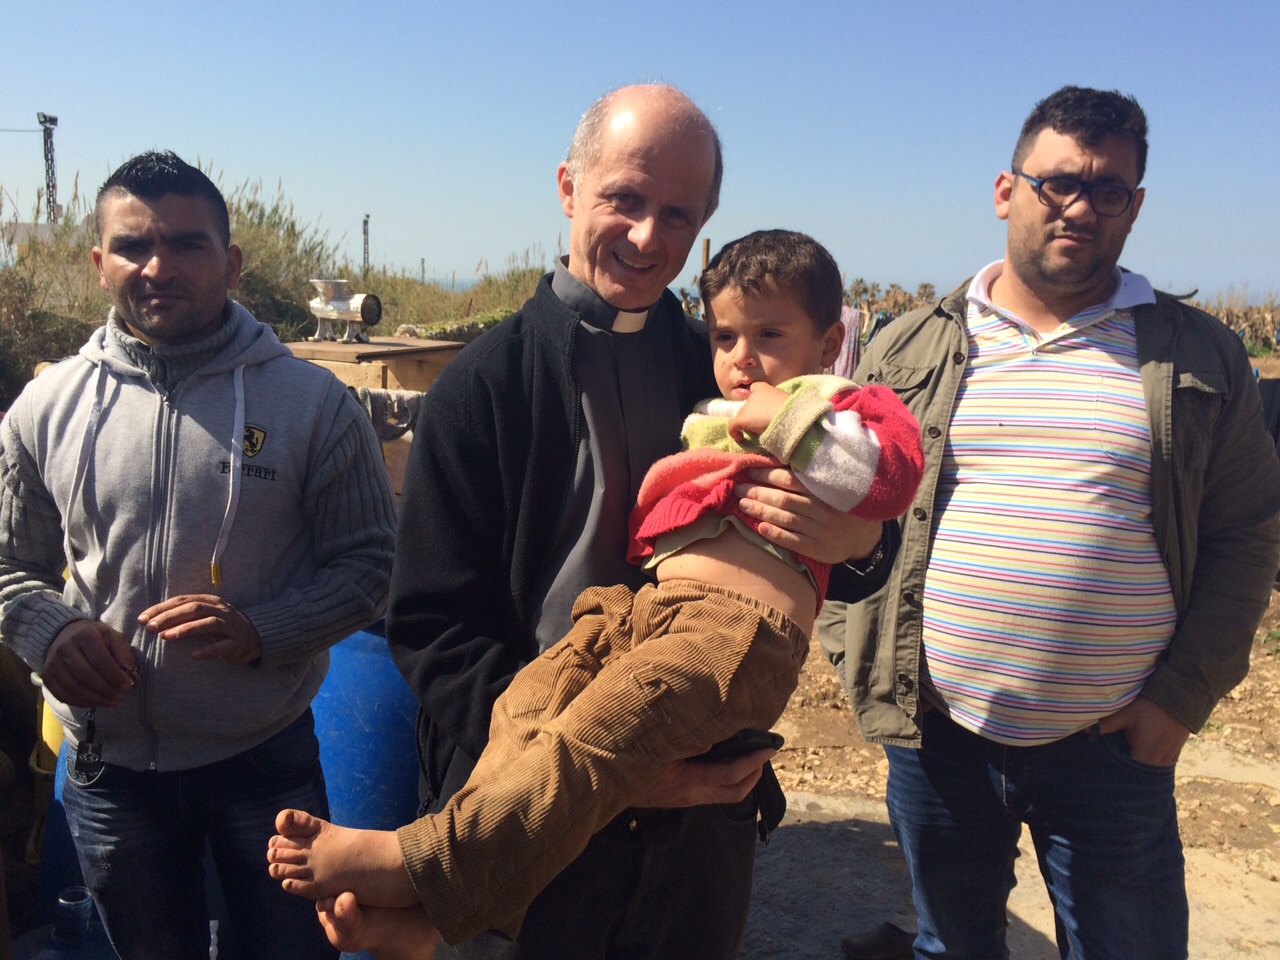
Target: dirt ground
{"type": "Point", "coordinates": [833, 867]}
{"type": "Point", "coordinates": [1268, 367]}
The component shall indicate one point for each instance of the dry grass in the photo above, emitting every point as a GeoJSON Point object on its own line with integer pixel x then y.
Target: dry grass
{"type": "Point", "coordinates": [48, 292]}
{"type": "Point", "coordinates": [1255, 323]}
{"type": "Point", "coordinates": [50, 300]}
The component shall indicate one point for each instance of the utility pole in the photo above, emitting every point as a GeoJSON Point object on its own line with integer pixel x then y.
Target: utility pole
{"type": "Point", "coordinates": [48, 122]}
{"type": "Point", "coordinates": [366, 244]}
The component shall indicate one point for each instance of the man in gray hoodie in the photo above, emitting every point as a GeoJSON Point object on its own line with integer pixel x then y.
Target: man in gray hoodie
{"type": "Point", "coordinates": [223, 516]}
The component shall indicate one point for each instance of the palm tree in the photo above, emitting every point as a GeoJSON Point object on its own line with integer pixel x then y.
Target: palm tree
{"type": "Point", "coordinates": [858, 294]}
{"type": "Point", "coordinates": [896, 300]}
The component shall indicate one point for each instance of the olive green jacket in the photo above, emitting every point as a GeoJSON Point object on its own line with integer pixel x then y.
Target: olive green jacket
{"type": "Point", "coordinates": [1215, 491]}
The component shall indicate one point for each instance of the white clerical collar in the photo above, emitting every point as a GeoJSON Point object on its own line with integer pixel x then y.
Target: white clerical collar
{"type": "Point", "coordinates": [576, 295]}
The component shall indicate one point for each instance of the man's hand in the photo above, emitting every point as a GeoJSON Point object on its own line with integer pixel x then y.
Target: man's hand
{"type": "Point", "coordinates": [1156, 737]}
{"type": "Point", "coordinates": [794, 519]}
{"type": "Point", "coordinates": [216, 629]}
{"type": "Point", "coordinates": [757, 411]}
{"type": "Point", "coordinates": [89, 665]}
{"type": "Point", "coordinates": [691, 783]}
{"type": "Point", "coordinates": [388, 933]}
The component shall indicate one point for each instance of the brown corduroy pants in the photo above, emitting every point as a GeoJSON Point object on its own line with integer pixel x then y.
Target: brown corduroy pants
{"type": "Point", "coordinates": [642, 679]}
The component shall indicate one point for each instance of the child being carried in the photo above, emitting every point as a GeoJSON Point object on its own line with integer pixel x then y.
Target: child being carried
{"type": "Point", "coordinates": [644, 678]}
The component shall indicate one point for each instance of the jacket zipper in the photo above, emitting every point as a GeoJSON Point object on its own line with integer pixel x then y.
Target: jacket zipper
{"type": "Point", "coordinates": [160, 486]}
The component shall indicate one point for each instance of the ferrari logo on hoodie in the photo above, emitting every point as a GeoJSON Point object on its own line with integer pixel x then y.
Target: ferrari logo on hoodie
{"type": "Point", "coordinates": [254, 438]}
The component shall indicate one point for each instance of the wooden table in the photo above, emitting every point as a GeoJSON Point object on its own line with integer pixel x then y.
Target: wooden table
{"type": "Point", "coordinates": [384, 363]}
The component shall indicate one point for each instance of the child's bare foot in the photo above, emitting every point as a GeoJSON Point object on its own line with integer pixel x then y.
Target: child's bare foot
{"type": "Point", "coordinates": [403, 933]}
{"type": "Point", "coordinates": [314, 858]}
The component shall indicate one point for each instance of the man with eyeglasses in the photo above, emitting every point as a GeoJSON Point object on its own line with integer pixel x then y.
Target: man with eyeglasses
{"type": "Point", "coordinates": [1083, 569]}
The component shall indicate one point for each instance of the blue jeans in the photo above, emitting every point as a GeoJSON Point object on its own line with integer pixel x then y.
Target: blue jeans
{"type": "Point", "coordinates": [1105, 830]}
{"type": "Point", "coordinates": [141, 835]}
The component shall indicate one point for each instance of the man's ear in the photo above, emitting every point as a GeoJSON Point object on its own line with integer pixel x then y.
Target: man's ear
{"type": "Point", "coordinates": [832, 341]}
{"type": "Point", "coordinates": [96, 254]}
{"type": "Point", "coordinates": [1003, 193]}
{"type": "Point", "coordinates": [564, 186]}
{"type": "Point", "coordinates": [235, 260]}
{"type": "Point", "coordinates": [1138, 196]}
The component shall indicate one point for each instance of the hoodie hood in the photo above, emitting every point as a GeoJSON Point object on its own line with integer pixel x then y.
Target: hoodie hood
{"type": "Point", "coordinates": [248, 342]}
{"type": "Point", "coordinates": [251, 343]}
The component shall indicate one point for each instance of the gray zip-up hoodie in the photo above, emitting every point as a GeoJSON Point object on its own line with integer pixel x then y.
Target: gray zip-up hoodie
{"type": "Point", "coordinates": [256, 478]}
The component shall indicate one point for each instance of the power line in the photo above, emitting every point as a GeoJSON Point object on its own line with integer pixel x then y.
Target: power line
{"type": "Point", "coordinates": [23, 130]}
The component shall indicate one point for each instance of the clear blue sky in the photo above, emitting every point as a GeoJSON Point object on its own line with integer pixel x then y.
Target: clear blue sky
{"type": "Point", "coordinates": [877, 127]}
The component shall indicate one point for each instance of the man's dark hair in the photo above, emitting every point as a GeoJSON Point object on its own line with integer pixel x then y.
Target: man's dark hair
{"type": "Point", "coordinates": [1088, 116]}
{"type": "Point", "coordinates": [153, 174]}
{"type": "Point", "coordinates": [779, 261]}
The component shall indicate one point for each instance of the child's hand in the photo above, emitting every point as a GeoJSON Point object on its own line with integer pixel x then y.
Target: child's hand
{"type": "Point", "coordinates": [757, 411]}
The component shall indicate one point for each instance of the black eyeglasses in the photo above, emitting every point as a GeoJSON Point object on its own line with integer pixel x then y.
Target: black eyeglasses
{"type": "Point", "coordinates": [1107, 199]}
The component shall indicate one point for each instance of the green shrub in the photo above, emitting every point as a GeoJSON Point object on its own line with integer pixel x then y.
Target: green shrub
{"type": "Point", "coordinates": [460, 331]}
{"type": "Point", "coordinates": [30, 337]}
{"type": "Point", "coordinates": [408, 302]}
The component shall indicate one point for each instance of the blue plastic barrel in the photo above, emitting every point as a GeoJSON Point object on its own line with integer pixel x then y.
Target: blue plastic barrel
{"type": "Point", "coordinates": [366, 720]}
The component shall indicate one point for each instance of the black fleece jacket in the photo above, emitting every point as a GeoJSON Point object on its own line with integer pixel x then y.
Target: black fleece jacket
{"type": "Point", "coordinates": [490, 468]}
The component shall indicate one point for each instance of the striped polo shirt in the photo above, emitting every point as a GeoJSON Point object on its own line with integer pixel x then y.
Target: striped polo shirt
{"type": "Point", "coordinates": [1046, 603]}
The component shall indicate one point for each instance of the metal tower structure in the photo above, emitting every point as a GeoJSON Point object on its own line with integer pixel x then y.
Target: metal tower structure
{"type": "Point", "coordinates": [48, 122]}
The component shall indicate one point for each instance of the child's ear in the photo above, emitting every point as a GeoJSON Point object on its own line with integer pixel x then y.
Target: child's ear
{"type": "Point", "coordinates": [832, 341]}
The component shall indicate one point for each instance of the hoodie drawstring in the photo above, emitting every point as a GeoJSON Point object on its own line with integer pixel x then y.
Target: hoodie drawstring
{"type": "Point", "coordinates": [87, 443]}
{"type": "Point", "coordinates": [233, 494]}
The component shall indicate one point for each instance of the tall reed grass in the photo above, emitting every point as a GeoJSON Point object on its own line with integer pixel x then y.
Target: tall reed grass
{"type": "Point", "coordinates": [50, 300]}
{"type": "Point", "coordinates": [48, 293]}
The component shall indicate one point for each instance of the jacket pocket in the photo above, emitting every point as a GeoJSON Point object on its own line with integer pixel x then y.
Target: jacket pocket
{"type": "Point", "coordinates": [908, 382]}
{"type": "Point", "coordinates": [1198, 399]}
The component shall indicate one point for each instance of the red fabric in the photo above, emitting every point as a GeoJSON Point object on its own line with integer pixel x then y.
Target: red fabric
{"type": "Point", "coordinates": [684, 486]}
{"type": "Point", "coordinates": [901, 463]}
{"type": "Point", "coordinates": [700, 481]}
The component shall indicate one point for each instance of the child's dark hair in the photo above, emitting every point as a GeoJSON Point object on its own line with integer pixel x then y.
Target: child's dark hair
{"type": "Point", "coordinates": [781, 261]}
{"type": "Point", "coordinates": [153, 174]}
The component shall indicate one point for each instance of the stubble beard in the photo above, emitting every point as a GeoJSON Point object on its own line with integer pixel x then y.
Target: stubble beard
{"type": "Point", "coordinates": [1063, 277]}
{"type": "Point", "coordinates": [179, 322]}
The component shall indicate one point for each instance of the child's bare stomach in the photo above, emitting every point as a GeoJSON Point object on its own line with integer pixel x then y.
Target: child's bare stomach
{"type": "Point", "coordinates": [732, 562]}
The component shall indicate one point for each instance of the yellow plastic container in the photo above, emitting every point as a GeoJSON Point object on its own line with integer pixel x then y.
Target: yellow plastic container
{"type": "Point", "coordinates": [43, 763]}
